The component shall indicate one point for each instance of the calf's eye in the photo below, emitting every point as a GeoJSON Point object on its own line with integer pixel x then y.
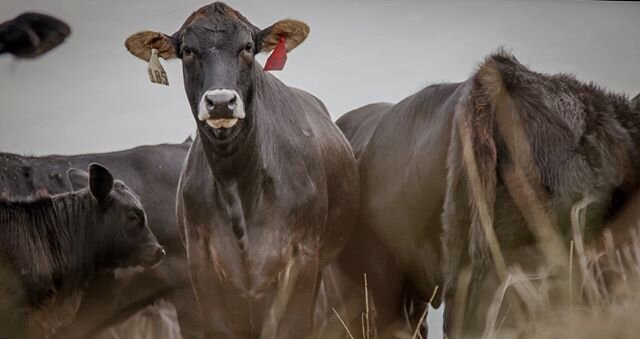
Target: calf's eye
{"type": "Point", "coordinates": [132, 216]}
{"type": "Point", "coordinates": [249, 47]}
{"type": "Point", "coordinates": [186, 51]}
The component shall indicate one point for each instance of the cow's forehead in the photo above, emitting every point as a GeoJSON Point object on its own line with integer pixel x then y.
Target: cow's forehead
{"type": "Point", "coordinates": [197, 35]}
{"type": "Point", "coordinates": [126, 195]}
{"type": "Point", "coordinates": [204, 26]}
{"type": "Point", "coordinates": [216, 17]}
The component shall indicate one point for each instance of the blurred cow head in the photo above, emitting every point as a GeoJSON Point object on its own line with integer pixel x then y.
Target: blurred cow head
{"type": "Point", "coordinates": [30, 35]}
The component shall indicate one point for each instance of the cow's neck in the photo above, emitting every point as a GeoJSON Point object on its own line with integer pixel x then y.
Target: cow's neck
{"type": "Point", "coordinates": [48, 238]}
{"type": "Point", "coordinates": [241, 159]}
{"type": "Point", "coordinates": [265, 149]}
{"type": "Point", "coordinates": [241, 164]}
{"type": "Point", "coordinates": [75, 215]}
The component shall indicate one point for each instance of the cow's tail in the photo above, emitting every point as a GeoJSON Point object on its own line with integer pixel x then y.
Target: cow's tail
{"type": "Point", "coordinates": [479, 112]}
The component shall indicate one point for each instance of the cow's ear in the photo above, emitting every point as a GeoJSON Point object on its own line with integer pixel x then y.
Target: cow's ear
{"type": "Point", "coordinates": [100, 182]}
{"type": "Point", "coordinates": [141, 44]}
{"type": "Point", "coordinates": [293, 31]}
{"type": "Point", "coordinates": [636, 101]}
{"type": "Point", "coordinates": [77, 179]}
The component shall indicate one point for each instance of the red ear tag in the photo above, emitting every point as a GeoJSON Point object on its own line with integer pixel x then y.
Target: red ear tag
{"type": "Point", "coordinates": [278, 57]}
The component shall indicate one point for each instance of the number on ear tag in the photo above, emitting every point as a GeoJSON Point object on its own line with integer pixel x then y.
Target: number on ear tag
{"type": "Point", "coordinates": [157, 75]}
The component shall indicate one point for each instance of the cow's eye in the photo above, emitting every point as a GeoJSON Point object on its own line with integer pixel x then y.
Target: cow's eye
{"type": "Point", "coordinates": [134, 217]}
{"type": "Point", "coordinates": [249, 47]}
{"type": "Point", "coordinates": [186, 52]}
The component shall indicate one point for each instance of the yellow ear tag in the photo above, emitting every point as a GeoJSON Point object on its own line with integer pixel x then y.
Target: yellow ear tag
{"type": "Point", "coordinates": [157, 75]}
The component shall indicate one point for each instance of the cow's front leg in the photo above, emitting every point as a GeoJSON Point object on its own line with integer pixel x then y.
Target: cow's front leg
{"type": "Point", "coordinates": [189, 317]}
{"type": "Point", "coordinates": [209, 290]}
{"type": "Point", "coordinates": [296, 322]}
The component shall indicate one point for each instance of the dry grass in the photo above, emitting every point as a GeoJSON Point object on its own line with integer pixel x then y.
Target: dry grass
{"type": "Point", "coordinates": [364, 316]}
{"type": "Point", "coordinates": [398, 330]}
{"type": "Point", "coordinates": [603, 303]}
{"type": "Point", "coordinates": [600, 308]}
{"type": "Point", "coordinates": [423, 317]}
{"type": "Point", "coordinates": [344, 325]}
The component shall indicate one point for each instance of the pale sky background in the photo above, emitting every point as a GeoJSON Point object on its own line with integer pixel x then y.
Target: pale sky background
{"type": "Point", "coordinates": [91, 95]}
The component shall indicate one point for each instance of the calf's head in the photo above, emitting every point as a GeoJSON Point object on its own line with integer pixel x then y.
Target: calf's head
{"type": "Point", "coordinates": [217, 46]}
{"type": "Point", "coordinates": [121, 236]}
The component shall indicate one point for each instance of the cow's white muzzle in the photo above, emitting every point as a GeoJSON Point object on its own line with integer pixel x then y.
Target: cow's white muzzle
{"type": "Point", "coordinates": [221, 108]}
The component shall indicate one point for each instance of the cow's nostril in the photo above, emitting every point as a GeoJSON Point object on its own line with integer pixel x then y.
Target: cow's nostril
{"type": "Point", "coordinates": [210, 103]}
{"type": "Point", "coordinates": [160, 253]}
{"type": "Point", "coordinates": [232, 103]}
{"type": "Point", "coordinates": [221, 102]}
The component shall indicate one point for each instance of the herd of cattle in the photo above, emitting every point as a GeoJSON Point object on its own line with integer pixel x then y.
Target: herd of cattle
{"type": "Point", "coordinates": [280, 212]}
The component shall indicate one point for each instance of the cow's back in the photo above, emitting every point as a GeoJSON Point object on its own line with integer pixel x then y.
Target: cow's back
{"type": "Point", "coordinates": [358, 125]}
{"type": "Point", "coordinates": [151, 171]}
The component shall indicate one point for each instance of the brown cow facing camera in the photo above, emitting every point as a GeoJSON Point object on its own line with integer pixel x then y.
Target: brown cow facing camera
{"type": "Point", "coordinates": [268, 195]}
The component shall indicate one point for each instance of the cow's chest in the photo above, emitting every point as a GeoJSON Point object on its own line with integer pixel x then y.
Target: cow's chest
{"type": "Point", "coordinates": [246, 241]}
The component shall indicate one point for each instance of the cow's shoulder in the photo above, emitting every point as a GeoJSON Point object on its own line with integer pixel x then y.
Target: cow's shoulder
{"type": "Point", "coordinates": [358, 118]}
{"type": "Point", "coordinates": [358, 125]}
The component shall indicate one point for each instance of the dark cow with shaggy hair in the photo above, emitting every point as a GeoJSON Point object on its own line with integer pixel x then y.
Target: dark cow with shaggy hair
{"type": "Point", "coordinates": [269, 191]}
{"type": "Point", "coordinates": [50, 247]}
{"type": "Point", "coordinates": [541, 145]}
{"type": "Point", "coordinates": [151, 171]}
{"type": "Point", "coordinates": [526, 149]}
{"type": "Point", "coordinates": [30, 35]}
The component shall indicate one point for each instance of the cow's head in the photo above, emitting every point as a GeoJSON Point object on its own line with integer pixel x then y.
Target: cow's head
{"type": "Point", "coordinates": [32, 34]}
{"type": "Point", "coordinates": [121, 237]}
{"type": "Point", "coordinates": [217, 46]}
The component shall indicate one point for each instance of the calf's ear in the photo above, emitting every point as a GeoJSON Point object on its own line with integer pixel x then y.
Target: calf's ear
{"type": "Point", "coordinates": [77, 179]}
{"type": "Point", "coordinates": [294, 33]}
{"type": "Point", "coordinates": [100, 182]}
{"type": "Point", "coordinates": [141, 44]}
